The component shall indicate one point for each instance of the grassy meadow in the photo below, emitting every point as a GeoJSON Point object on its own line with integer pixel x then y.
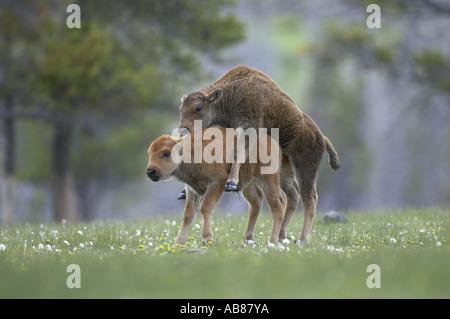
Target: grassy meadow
{"type": "Point", "coordinates": [138, 259]}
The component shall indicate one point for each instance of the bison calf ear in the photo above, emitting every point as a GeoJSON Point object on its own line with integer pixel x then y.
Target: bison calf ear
{"type": "Point", "coordinates": [215, 95]}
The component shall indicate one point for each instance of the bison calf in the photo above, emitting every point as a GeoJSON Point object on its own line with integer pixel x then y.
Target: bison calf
{"type": "Point", "coordinates": [247, 98]}
{"type": "Point", "coordinates": [206, 182]}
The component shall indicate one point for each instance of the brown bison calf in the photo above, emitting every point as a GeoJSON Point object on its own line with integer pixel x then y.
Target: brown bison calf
{"type": "Point", "coordinates": [247, 98]}
{"type": "Point", "coordinates": [208, 179]}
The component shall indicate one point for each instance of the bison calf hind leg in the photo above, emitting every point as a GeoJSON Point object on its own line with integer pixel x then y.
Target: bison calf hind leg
{"type": "Point", "coordinates": [277, 205]}
{"type": "Point", "coordinates": [291, 189]}
{"type": "Point", "coordinates": [254, 197]}
{"type": "Point", "coordinates": [306, 166]}
{"type": "Point", "coordinates": [309, 197]}
{"type": "Point", "coordinates": [309, 202]}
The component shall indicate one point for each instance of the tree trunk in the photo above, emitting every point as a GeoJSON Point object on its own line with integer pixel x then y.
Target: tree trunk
{"type": "Point", "coordinates": [9, 199]}
{"type": "Point", "coordinates": [63, 190]}
{"type": "Point", "coordinates": [87, 199]}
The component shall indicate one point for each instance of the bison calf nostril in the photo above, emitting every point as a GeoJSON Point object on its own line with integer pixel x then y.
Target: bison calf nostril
{"type": "Point", "coordinates": [150, 172]}
{"type": "Point", "coordinates": [183, 131]}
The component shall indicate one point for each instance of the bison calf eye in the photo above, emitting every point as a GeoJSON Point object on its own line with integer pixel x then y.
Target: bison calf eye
{"type": "Point", "coordinates": [198, 109]}
{"type": "Point", "coordinates": [166, 154]}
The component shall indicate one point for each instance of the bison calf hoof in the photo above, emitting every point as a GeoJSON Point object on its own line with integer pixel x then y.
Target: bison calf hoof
{"type": "Point", "coordinates": [182, 194]}
{"type": "Point", "coordinates": [208, 242]}
{"type": "Point", "coordinates": [230, 187]}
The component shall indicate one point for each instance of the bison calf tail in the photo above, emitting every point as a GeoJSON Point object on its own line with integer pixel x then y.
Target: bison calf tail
{"type": "Point", "coordinates": [333, 155]}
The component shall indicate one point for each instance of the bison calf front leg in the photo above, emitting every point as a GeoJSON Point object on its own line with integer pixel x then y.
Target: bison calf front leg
{"type": "Point", "coordinates": [192, 202]}
{"type": "Point", "coordinates": [233, 179]}
{"type": "Point", "coordinates": [182, 194]}
{"type": "Point", "coordinates": [240, 156]}
{"type": "Point", "coordinates": [212, 196]}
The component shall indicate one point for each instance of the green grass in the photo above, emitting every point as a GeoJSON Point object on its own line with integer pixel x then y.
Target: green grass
{"type": "Point", "coordinates": [139, 260]}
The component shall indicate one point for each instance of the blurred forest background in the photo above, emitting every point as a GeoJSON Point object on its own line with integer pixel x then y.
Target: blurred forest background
{"type": "Point", "coordinates": [79, 107]}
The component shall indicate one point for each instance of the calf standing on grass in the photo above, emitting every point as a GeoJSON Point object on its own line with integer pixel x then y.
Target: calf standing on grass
{"type": "Point", "coordinates": [207, 179]}
{"type": "Point", "coordinates": [247, 98]}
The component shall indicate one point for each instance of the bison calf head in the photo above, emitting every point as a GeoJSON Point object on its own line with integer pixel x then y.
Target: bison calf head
{"type": "Point", "coordinates": [197, 106]}
{"type": "Point", "coordinates": [160, 164]}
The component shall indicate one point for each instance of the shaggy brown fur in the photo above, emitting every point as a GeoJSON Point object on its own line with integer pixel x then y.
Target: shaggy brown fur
{"type": "Point", "coordinates": [208, 180]}
{"type": "Point", "coordinates": [245, 97]}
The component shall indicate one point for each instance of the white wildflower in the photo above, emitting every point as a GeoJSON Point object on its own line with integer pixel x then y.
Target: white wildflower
{"type": "Point", "coordinates": [48, 247]}
{"type": "Point", "coordinates": [81, 245]}
{"type": "Point", "coordinates": [2, 247]}
{"type": "Point", "coordinates": [285, 241]}
{"type": "Point", "coordinates": [80, 233]}
{"type": "Point", "coordinates": [438, 244]}
{"type": "Point", "coordinates": [40, 246]}
{"type": "Point", "coordinates": [138, 232]}
{"type": "Point", "coordinates": [393, 240]}
{"type": "Point", "coordinates": [67, 243]}
{"type": "Point", "coordinates": [197, 226]}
